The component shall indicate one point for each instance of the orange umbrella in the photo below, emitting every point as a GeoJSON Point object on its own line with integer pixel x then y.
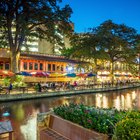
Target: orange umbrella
{"type": "Point", "coordinates": [5, 73]}
{"type": "Point", "coordinates": [81, 75]}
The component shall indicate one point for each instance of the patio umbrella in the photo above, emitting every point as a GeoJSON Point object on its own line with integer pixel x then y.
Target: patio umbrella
{"type": "Point", "coordinates": [24, 73]}
{"type": "Point", "coordinates": [56, 75]}
{"type": "Point", "coordinates": [39, 74]}
{"type": "Point", "coordinates": [6, 73]}
{"type": "Point", "coordinates": [71, 75]}
{"type": "Point", "coordinates": [81, 75]}
{"type": "Point", "coordinates": [91, 74]}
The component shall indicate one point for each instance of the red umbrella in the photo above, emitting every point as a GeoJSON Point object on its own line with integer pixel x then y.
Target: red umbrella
{"type": "Point", "coordinates": [81, 75]}
{"type": "Point", "coordinates": [40, 74]}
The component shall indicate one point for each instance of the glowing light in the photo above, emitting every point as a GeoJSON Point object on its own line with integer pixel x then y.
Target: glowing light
{"type": "Point", "coordinates": [6, 114]}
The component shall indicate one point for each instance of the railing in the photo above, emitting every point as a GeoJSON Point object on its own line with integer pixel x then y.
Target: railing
{"type": "Point", "coordinates": [30, 79]}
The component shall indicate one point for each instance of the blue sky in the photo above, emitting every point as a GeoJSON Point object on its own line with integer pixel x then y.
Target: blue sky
{"type": "Point", "coordinates": [91, 13]}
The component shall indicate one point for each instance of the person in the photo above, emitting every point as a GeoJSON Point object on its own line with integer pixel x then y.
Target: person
{"type": "Point", "coordinates": [39, 87]}
{"type": "Point", "coordinates": [10, 87]}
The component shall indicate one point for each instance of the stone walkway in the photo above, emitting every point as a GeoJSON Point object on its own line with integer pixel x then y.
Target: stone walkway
{"type": "Point", "coordinates": [25, 96]}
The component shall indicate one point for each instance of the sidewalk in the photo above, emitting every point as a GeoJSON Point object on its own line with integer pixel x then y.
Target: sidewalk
{"type": "Point", "coordinates": [30, 95]}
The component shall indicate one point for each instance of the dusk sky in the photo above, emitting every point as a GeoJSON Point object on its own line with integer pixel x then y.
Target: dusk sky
{"type": "Point", "coordinates": [91, 13]}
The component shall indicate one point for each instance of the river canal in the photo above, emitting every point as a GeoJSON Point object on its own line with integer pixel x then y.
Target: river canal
{"type": "Point", "coordinates": [23, 113]}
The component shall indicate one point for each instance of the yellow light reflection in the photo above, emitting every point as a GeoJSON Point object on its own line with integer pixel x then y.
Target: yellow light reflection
{"type": "Point", "coordinates": [98, 100]}
{"type": "Point", "coordinates": [117, 103]}
{"type": "Point", "coordinates": [128, 101]}
{"type": "Point", "coordinates": [105, 102]}
{"type": "Point", "coordinates": [133, 95]}
{"type": "Point", "coordinates": [122, 102]}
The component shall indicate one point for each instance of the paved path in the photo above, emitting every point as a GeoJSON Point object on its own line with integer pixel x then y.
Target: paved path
{"type": "Point", "coordinates": [26, 96]}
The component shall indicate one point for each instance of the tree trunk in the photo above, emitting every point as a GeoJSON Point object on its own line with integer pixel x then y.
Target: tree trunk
{"type": "Point", "coordinates": [15, 61]}
{"type": "Point", "coordinates": [95, 70]}
{"type": "Point", "coordinates": [112, 73]}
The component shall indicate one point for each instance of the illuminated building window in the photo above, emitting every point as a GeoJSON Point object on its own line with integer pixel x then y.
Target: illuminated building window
{"type": "Point", "coordinates": [58, 67]}
{"type": "Point", "coordinates": [1, 66]}
{"type": "Point", "coordinates": [49, 67]}
{"type": "Point", "coordinates": [30, 66]}
{"type": "Point", "coordinates": [62, 68]}
{"type": "Point", "coordinates": [36, 66]}
{"type": "Point", "coordinates": [7, 66]}
{"type": "Point", "coordinates": [25, 65]}
{"type": "Point", "coordinates": [53, 67]}
{"type": "Point", "coordinates": [41, 66]}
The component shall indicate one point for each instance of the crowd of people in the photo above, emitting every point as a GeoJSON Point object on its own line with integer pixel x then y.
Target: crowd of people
{"type": "Point", "coordinates": [73, 85]}
{"type": "Point", "coordinates": [61, 86]}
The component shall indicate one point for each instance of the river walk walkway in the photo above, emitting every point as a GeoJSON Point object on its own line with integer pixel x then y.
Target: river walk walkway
{"type": "Point", "coordinates": [46, 94]}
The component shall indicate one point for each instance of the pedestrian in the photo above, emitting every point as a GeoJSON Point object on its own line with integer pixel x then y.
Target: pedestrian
{"type": "Point", "coordinates": [39, 87]}
{"type": "Point", "coordinates": [10, 87]}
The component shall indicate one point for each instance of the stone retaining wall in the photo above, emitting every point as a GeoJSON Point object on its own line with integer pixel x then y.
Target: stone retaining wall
{"type": "Point", "coordinates": [26, 96]}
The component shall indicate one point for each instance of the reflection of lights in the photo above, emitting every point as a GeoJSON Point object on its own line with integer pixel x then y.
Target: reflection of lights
{"type": "Point", "coordinates": [122, 101]}
{"type": "Point", "coordinates": [105, 102]}
{"type": "Point", "coordinates": [65, 102]}
{"type": "Point", "coordinates": [28, 130]}
{"type": "Point", "coordinates": [8, 51]}
{"type": "Point", "coordinates": [98, 100]}
{"type": "Point", "coordinates": [128, 101]}
{"type": "Point", "coordinates": [117, 103]}
{"type": "Point", "coordinates": [133, 95]}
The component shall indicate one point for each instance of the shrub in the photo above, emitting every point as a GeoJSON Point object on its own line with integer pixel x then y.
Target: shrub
{"type": "Point", "coordinates": [122, 125]}
{"type": "Point", "coordinates": [101, 120]}
{"type": "Point", "coordinates": [6, 81]}
{"type": "Point", "coordinates": [128, 128]}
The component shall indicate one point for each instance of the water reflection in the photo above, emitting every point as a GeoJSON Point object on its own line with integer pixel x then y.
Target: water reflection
{"type": "Point", "coordinates": [23, 114]}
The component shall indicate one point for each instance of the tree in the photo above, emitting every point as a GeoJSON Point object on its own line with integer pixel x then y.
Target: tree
{"type": "Point", "coordinates": [84, 49]}
{"type": "Point", "coordinates": [22, 20]}
{"type": "Point", "coordinates": [109, 41]}
{"type": "Point", "coordinates": [117, 41]}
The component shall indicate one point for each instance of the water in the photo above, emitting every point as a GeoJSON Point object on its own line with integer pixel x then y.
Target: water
{"type": "Point", "coordinates": [23, 113]}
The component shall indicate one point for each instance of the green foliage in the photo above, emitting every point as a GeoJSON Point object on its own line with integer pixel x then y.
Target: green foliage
{"type": "Point", "coordinates": [28, 21]}
{"type": "Point", "coordinates": [18, 82]}
{"type": "Point", "coordinates": [101, 120]}
{"type": "Point", "coordinates": [36, 87]}
{"type": "Point", "coordinates": [122, 125]}
{"type": "Point", "coordinates": [128, 128]}
{"type": "Point", "coordinates": [6, 81]}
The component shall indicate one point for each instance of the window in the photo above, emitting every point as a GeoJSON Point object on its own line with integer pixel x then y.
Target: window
{"type": "Point", "coordinates": [25, 65]}
{"type": "Point", "coordinates": [61, 67]}
{"type": "Point", "coordinates": [58, 67]}
{"type": "Point", "coordinates": [30, 66]}
{"type": "Point", "coordinates": [41, 66]}
{"type": "Point", "coordinates": [1, 66]}
{"type": "Point", "coordinates": [53, 67]}
{"type": "Point", "coordinates": [36, 66]}
{"type": "Point", "coordinates": [7, 66]}
{"type": "Point", "coordinates": [49, 67]}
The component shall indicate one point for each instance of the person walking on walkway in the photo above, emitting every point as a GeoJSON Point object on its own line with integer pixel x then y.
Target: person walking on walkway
{"type": "Point", "coordinates": [39, 87]}
{"type": "Point", "coordinates": [10, 87]}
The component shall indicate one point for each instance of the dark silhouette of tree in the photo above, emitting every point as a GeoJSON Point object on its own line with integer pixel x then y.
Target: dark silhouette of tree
{"type": "Point", "coordinates": [109, 41]}
{"type": "Point", "coordinates": [22, 20]}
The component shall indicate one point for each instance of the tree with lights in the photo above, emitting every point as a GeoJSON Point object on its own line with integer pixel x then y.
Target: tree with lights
{"type": "Point", "coordinates": [109, 41]}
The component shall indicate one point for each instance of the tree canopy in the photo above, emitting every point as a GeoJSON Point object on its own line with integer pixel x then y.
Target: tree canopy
{"type": "Point", "coordinates": [109, 41]}
{"type": "Point", "coordinates": [22, 20]}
